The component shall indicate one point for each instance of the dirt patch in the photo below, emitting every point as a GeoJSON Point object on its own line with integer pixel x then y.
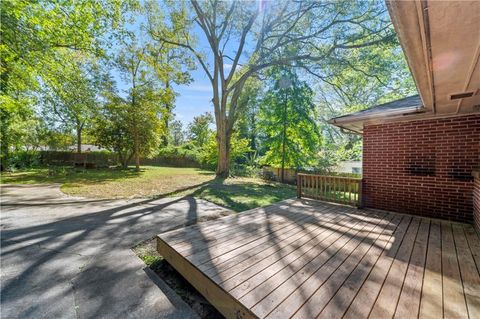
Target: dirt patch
{"type": "Point", "coordinates": [148, 253]}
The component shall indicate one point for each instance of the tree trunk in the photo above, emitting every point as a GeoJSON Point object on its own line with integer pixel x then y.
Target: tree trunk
{"type": "Point", "coordinates": [169, 107]}
{"type": "Point", "coordinates": [223, 143]}
{"type": "Point", "coordinates": [124, 159]}
{"type": "Point", "coordinates": [79, 140]}
{"type": "Point", "coordinates": [136, 154]}
{"type": "Point", "coordinates": [284, 137]}
{"type": "Point", "coordinates": [137, 161]}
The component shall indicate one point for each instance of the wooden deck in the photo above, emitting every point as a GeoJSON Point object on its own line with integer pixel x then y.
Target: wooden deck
{"type": "Point", "coordinates": [310, 259]}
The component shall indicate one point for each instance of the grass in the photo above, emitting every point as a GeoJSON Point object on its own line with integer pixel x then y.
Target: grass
{"type": "Point", "coordinates": [241, 193]}
{"type": "Point", "coordinates": [238, 194]}
{"type": "Point", "coordinates": [113, 183]}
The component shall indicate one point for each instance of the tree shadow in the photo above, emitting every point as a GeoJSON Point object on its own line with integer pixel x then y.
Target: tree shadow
{"type": "Point", "coordinates": [86, 253]}
{"type": "Point", "coordinates": [70, 175]}
{"type": "Point", "coordinates": [243, 195]}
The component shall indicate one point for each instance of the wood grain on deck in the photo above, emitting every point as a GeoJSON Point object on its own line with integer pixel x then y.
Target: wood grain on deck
{"type": "Point", "coordinates": [311, 259]}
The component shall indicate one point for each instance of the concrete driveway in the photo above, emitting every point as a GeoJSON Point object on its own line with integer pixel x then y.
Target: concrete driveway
{"type": "Point", "coordinates": [65, 257]}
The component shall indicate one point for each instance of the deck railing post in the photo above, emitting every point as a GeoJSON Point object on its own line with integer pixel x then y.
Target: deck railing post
{"type": "Point", "coordinates": [299, 185]}
{"type": "Point", "coordinates": [360, 195]}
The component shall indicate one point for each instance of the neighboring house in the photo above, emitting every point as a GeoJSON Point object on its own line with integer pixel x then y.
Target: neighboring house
{"type": "Point", "coordinates": [87, 148]}
{"type": "Point", "coordinates": [73, 148]}
{"type": "Point", "coordinates": [353, 167]}
{"type": "Point", "coordinates": [421, 153]}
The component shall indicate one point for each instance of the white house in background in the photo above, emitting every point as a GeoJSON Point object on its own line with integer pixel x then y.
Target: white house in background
{"type": "Point", "coordinates": [73, 148]}
{"type": "Point", "coordinates": [354, 167]}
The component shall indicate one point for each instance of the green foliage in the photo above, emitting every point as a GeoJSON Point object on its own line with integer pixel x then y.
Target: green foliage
{"type": "Point", "coordinates": [287, 118]}
{"type": "Point", "coordinates": [239, 149]}
{"type": "Point", "coordinates": [186, 151]}
{"type": "Point", "coordinates": [69, 93]}
{"type": "Point", "coordinates": [23, 159]}
{"type": "Point", "coordinates": [199, 129]}
{"type": "Point", "coordinates": [35, 37]}
{"type": "Point", "coordinates": [176, 136]}
{"type": "Point", "coordinates": [249, 104]}
{"type": "Point", "coordinates": [112, 130]}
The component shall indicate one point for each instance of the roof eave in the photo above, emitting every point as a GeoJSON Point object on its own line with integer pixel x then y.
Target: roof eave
{"type": "Point", "coordinates": [360, 117]}
{"type": "Point", "coordinates": [350, 123]}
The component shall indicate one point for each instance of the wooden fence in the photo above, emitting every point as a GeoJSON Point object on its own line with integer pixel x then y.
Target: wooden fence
{"type": "Point", "coordinates": [102, 159]}
{"type": "Point", "coordinates": [344, 190]}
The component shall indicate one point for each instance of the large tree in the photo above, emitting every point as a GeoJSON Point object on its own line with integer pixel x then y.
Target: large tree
{"type": "Point", "coordinates": [287, 118]}
{"type": "Point", "coordinates": [199, 129]}
{"type": "Point", "coordinates": [358, 79]}
{"type": "Point", "coordinates": [146, 96]}
{"type": "Point", "coordinates": [176, 135]}
{"type": "Point", "coordinates": [70, 93]}
{"type": "Point", "coordinates": [252, 36]}
{"type": "Point", "coordinates": [112, 129]}
{"type": "Point", "coordinates": [32, 33]}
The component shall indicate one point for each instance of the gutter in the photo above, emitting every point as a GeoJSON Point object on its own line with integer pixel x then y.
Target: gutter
{"type": "Point", "coordinates": [360, 117]}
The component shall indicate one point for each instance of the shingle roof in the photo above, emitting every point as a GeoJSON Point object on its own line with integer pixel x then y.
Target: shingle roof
{"type": "Point", "coordinates": [412, 102]}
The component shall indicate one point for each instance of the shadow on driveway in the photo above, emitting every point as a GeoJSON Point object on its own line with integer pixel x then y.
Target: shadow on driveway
{"type": "Point", "coordinates": [71, 258]}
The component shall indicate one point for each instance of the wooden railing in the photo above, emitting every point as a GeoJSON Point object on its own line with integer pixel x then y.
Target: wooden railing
{"type": "Point", "coordinates": [344, 190]}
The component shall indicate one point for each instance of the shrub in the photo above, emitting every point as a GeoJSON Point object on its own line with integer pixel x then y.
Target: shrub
{"type": "Point", "coordinates": [245, 170]}
{"type": "Point", "coordinates": [23, 159]}
{"type": "Point", "coordinates": [239, 149]}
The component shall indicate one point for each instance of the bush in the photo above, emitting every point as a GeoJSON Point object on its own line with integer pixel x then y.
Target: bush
{"type": "Point", "coordinates": [267, 175]}
{"type": "Point", "coordinates": [186, 155]}
{"type": "Point", "coordinates": [23, 160]}
{"type": "Point", "coordinates": [238, 151]}
{"type": "Point", "coordinates": [245, 170]}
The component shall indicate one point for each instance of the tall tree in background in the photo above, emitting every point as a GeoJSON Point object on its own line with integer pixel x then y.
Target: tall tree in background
{"type": "Point", "coordinates": [70, 93]}
{"type": "Point", "coordinates": [358, 79]}
{"type": "Point", "coordinates": [287, 117]}
{"type": "Point", "coordinates": [141, 71]}
{"type": "Point", "coordinates": [176, 134]}
{"type": "Point", "coordinates": [112, 128]}
{"type": "Point", "coordinates": [199, 129]}
{"type": "Point", "coordinates": [32, 33]}
{"type": "Point", "coordinates": [249, 101]}
{"type": "Point", "coordinates": [295, 33]}
{"type": "Point", "coordinates": [177, 64]}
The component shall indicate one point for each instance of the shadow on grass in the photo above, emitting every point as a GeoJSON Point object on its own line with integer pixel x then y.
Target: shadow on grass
{"type": "Point", "coordinates": [240, 195]}
{"type": "Point", "coordinates": [69, 175]}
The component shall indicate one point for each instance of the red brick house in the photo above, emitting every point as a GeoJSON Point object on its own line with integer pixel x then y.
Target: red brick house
{"type": "Point", "coordinates": [421, 154]}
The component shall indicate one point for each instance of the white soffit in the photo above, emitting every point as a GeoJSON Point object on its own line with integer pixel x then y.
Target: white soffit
{"type": "Point", "coordinates": [441, 40]}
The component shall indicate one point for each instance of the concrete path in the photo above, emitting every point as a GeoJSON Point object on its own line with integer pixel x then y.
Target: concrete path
{"type": "Point", "coordinates": [66, 257]}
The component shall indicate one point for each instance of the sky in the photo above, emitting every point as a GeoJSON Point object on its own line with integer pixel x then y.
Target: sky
{"type": "Point", "coordinates": [194, 98]}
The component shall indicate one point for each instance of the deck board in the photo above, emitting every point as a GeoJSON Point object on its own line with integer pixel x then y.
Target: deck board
{"type": "Point", "coordinates": [454, 305]}
{"type": "Point", "coordinates": [338, 305]}
{"type": "Point", "coordinates": [311, 259]}
{"type": "Point", "coordinates": [431, 305]}
{"type": "Point", "coordinates": [245, 257]}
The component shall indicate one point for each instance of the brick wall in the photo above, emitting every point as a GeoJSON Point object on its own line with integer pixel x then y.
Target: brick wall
{"type": "Point", "coordinates": [422, 167]}
{"type": "Point", "coordinates": [476, 201]}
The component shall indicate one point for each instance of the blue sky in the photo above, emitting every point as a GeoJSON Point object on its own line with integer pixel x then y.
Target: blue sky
{"type": "Point", "coordinates": [195, 98]}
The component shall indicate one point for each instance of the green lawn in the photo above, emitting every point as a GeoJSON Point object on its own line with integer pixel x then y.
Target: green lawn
{"type": "Point", "coordinates": [242, 193]}
{"type": "Point", "coordinates": [235, 193]}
